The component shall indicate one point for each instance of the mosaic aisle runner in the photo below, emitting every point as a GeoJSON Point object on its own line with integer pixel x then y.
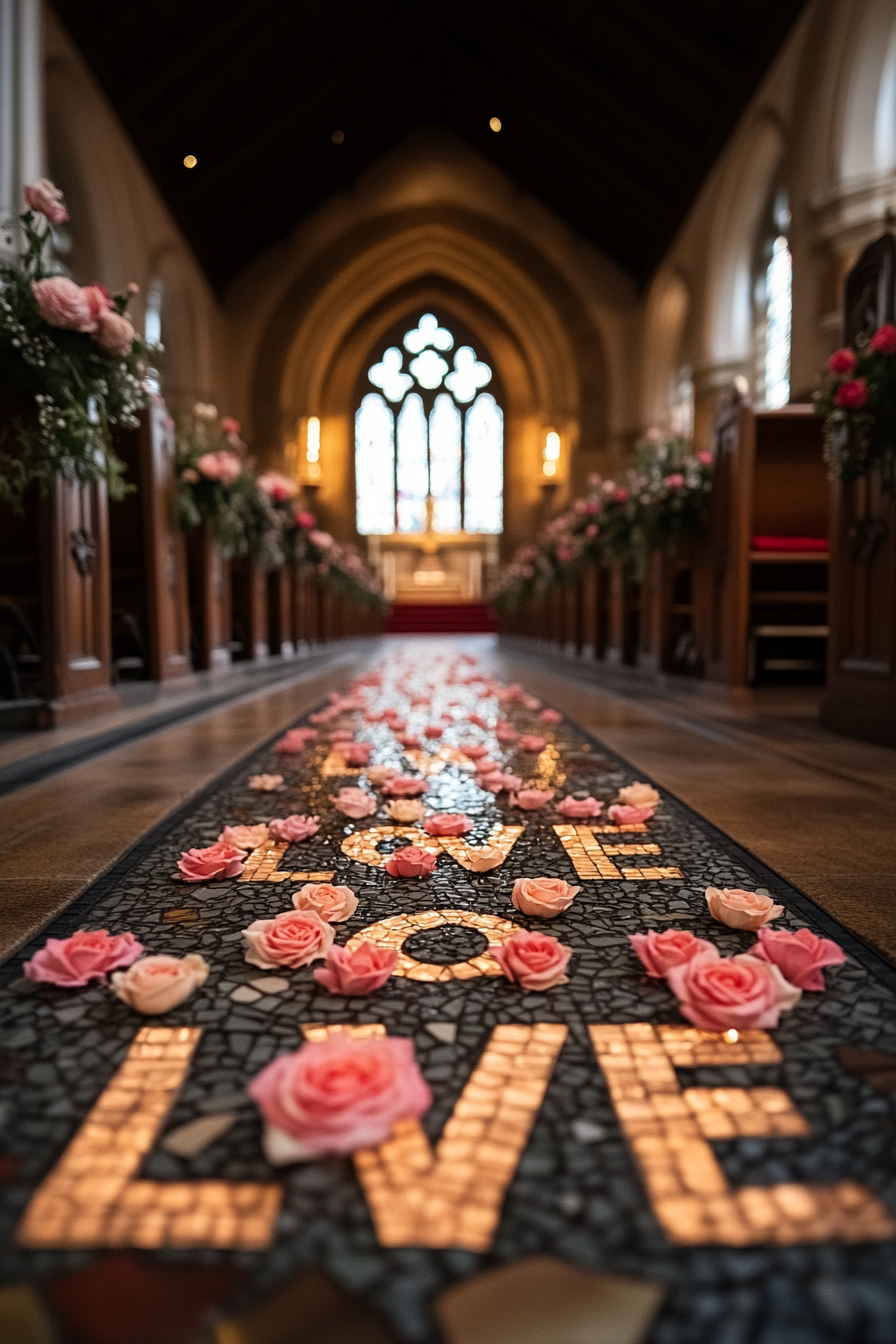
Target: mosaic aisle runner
{"type": "Point", "coordinates": [751, 1179]}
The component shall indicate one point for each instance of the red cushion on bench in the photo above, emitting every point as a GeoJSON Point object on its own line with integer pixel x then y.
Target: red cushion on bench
{"type": "Point", "coordinates": [790, 544]}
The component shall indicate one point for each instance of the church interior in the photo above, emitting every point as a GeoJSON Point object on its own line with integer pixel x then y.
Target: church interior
{"type": "Point", "coordinates": [448, 672]}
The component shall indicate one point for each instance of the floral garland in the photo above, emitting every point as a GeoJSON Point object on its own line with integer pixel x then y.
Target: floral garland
{"type": "Point", "coordinates": [659, 504]}
{"type": "Point", "coordinates": [857, 398]}
{"type": "Point", "coordinates": [69, 350]}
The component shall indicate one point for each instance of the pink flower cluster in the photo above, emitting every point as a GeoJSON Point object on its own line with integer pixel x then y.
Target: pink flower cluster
{"type": "Point", "coordinates": [88, 308]}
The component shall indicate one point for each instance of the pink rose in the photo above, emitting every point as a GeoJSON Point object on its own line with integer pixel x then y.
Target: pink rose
{"type": "Point", "coordinates": [158, 984]}
{"type": "Point", "coordinates": [580, 807]}
{"type": "Point", "coordinates": [591, 531]}
{"type": "Point", "coordinates": [406, 809]}
{"type": "Point", "coordinates": [486, 766]}
{"type": "Point", "coordinates": [551, 716]}
{"type": "Point", "coordinates": [305, 519]}
{"type": "Point", "coordinates": [71, 962]}
{"type": "Point", "coordinates": [531, 742]}
{"type": "Point", "coordinates": [357, 753]}
{"type": "Point", "coordinates": [412, 861]}
{"type": "Point", "coordinates": [115, 334]}
{"type": "Point", "coordinates": [629, 816]}
{"type": "Point", "coordinates": [473, 749]}
{"type": "Point", "coordinates": [544, 896]}
{"type": "Point", "coordinates": [433, 730]}
{"type": "Point", "coordinates": [275, 485]}
{"type": "Point", "coordinates": [265, 783]}
{"type": "Point", "coordinates": [705, 458]}
{"type": "Point", "coordinates": [884, 340]}
{"type": "Point", "coordinates": [673, 947]}
{"type": "Point", "coordinates": [333, 904]}
{"type": "Point", "coordinates": [244, 837]}
{"type": "Point", "coordinates": [531, 702]}
{"type": "Point", "coordinates": [295, 740]}
{"type": "Point", "coordinates": [46, 199]}
{"type": "Point", "coordinates": [409, 740]}
{"type": "Point", "coordinates": [362, 971]}
{"type": "Point", "coordinates": [674, 481]}
{"type": "Point", "coordinates": [321, 539]}
{"type": "Point", "coordinates": [338, 1095]}
{"type": "Point", "coordinates": [505, 732]}
{"type": "Point", "coordinates": [718, 993]}
{"type": "Point", "coordinates": [500, 783]}
{"type": "Point", "coordinates": [741, 909]}
{"type": "Point", "coordinates": [852, 396]}
{"type": "Point", "coordinates": [230, 426]}
{"type": "Point", "coordinates": [224, 467]}
{"type": "Point", "coordinates": [447, 823]}
{"type": "Point", "coordinates": [842, 362]}
{"type": "Point", "coordinates": [620, 494]}
{"type": "Point", "coordinates": [97, 299]}
{"type": "Point", "coordinates": [294, 828]}
{"type": "Point", "coordinates": [533, 960]}
{"type": "Point", "coordinates": [341, 735]}
{"type": "Point", "coordinates": [479, 721]}
{"type": "Point", "coordinates": [354, 803]}
{"type": "Point", "coordinates": [218, 860]}
{"type": "Point", "coordinates": [61, 303]}
{"type": "Point", "coordinates": [799, 956]}
{"type": "Point", "coordinates": [638, 795]}
{"type": "Point", "coordinates": [530, 799]}
{"type": "Point", "coordinates": [293, 938]}
{"type": "Point", "coordinates": [404, 786]}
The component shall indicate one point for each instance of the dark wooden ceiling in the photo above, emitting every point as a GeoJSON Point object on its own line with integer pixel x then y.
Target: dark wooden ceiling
{"type": "Point", "coordinates": [612, 111]}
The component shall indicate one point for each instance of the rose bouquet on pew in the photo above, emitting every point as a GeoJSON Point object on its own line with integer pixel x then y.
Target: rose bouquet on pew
{"type": "Point", "coordinates": [71, 365]}
{"type": "Point", "coordinates": [857, 398]}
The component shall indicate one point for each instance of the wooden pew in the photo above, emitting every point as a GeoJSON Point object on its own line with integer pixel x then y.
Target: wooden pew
{"type": "Point", "coordinates": [248, 610]}
{"type": "Point", "coordinates": [208, 575]}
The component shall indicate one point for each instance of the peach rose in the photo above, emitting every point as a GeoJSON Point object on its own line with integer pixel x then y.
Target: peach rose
{"type": "Point", "coordinates": [362, 971]}
{"type": "Point", "coordinates": [404, 786]}
{"type": "Point", "coordinates": [658, 952]}
{"type": "Point", "coordinates": [46, 199]}
{"type": "Point", "coordinates": [265, 783]}
{"type": "Point", "coordinates": [628, 816]}
{"type": "Point", "coordinates": [338, 1095]}
{"type": "Point", "coordinates": [293, 938]}
{"type": "Point", "coordinates": [244, 837]}
{"type": "Point", "coordinates": [531, 742]}
{"type": "Point", "coordinates": [448, 823]}
{"type": "Point", "coordinates": [412, 861]}
{"type": "Point", "coordinates": [799, 956]}
{"type": "Point", "coordinates": [114, 333]}
{"type": "Point", "coordinates": [379, 774]}
{"type": "Point", "coordinates": [294, 828]}
{"type": "Point", "coordinates": [530, 799]}
{"type": "Point", "coordinates": [533, 960]}
{"type": "Point", "coordinates": [638, 795]}
{"type": "Point", "coordinates": [62, 303]}
{"type": "Point", "coordinates": [217, 860]}
{"type": "Point", "coordinates": [482, 858]}
{"type": "Point", "coordinates": [580, 807]}
{"type": "Point", "coordinates": [473, 749]}
{"type": "Point", "coordinates": [741, 909]}
{"type": "Point", "coordinates": [84, 956]}
{"type": "Point", "coordinates": [158, 984]}
{"type": "Point", "coordinates": [295, 740]}
{"type": "Point", "coordinates": [356, 753]}
{"type": "Point", "coordinates": [406, 809]}
{"type": "Point", "coordinates": [224, 467]}
{"type": "Point", "coordinates": [718, 993]}
{"type": "Point", "coordinates": [354, 803]}
{"type": "Point", "coordinates": [551, 716]}
{"type": "Point", "coordinates": [333, 904]}
{"type": "Point", "coordinates": [544, 896]}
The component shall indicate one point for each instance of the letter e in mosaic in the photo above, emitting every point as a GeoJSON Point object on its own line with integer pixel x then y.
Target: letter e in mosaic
{"type": "Point", "coordinates": [668, 1129]}
{"type": "Point", "coordinates": [452, 1197]}
{"type": "Point", "coordinates": [92, 1196]}
{"type": "Point", "coordinates": [595, 860]}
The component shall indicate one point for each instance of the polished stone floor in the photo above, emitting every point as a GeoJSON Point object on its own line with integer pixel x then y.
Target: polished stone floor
{"type": "Point", "coordinates": [760, 799]}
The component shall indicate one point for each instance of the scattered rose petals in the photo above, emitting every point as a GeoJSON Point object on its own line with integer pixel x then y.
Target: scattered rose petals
{"type": "Point", "coordinates": [530, 799]}
{"type": "Point", "coordinates": [433, 730]}
{"type": "Point", "coordinates": [333, 904]}
{"type": "Point", "coordinates": [580, 807]}
{"type": "Point", "coordinates": [638, 795]}
{"type": "Point", "coordinates": [412, 861]}
{"type": "Point", "coordinates": [544, 896]}
{"type": "Point", "coordinates": [448, 823]}
{"type": "Point", "coordinates": [799, 956]}
{"type": "Point", "coordinates": [404, 786]}
{"type": "Point", "coordinates": [338, 1095]}
{"type": "Point", "coordinates": [673, 947]}
{"type": "Point", "coordinates": [159, 983]}
{"type": "Point", "coordinates": [409, 740]}
{"type": "Point", "coordinates": [478, 720]}
{"type": "Point", "coordinates": [354, 803]}
{"type": "Point", "coordinates": [378, 774]}
{"type": "Point", "coordinates": [295, 740]}
{"type": "Point", "coordinates": [473, 749]}
{"type": "Point", "coordinates": [406, 809]}
{"type": "Point", "coordinates": [217, 860]}
{"type": "Point", "coordinates": [294, 828]}
{"type": "Point", "coordinates": [551, 716]}
{"type": "Point", "coordinates": [530, 702]}
{"type": "Point", "coordinates": [244, 837]}
{"type": "Point", "coordinates": [721, 993]}
{"type": "Point", "coordinates": [293, 938]}
{"type": "Point", "coordinates": [265, 783]}
{"type": "Point", "coordinates": [505, 732]}
{"type": "Point", "coordinates": [362, 971]}
{"type": "Point", "coordinates": [741, 909]}
{"type": "Point", "coordinates": [83, 956]}
{"type": "Point", "coordinates": [356, 753]}
{"type": "Point", "coordinates": [534, 961]}
{"type": "Point", "coordinates": [531, 742]}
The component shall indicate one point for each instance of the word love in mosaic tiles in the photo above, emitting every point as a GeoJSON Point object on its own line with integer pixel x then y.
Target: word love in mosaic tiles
{"type": "Point", "coordinates": [452, 1196]}
{"type": "Point", "coordinates": [263, 864]}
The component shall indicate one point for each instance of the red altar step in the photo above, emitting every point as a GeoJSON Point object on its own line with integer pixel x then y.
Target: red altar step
{"type": "Point", "coordinates": [440, 618]}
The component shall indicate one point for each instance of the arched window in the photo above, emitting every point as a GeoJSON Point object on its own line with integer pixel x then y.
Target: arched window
{"type": "Point", "coordinates": [773, 302]}
{"type": "Point", "coordinates": [429, 441]}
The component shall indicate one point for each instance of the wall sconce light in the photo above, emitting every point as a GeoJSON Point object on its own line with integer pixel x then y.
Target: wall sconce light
{"type": "Point", "coordinates": [551, 453]}
{"type": "Point", "coordinates": [312, 448]}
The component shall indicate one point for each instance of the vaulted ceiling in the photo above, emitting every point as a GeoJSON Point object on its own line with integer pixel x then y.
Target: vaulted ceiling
{"type": "Point", "coordinates": [612, 111]}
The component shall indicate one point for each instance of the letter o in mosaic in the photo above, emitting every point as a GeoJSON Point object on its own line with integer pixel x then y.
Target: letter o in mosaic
{"type": "Point", "coordinates": [362, 846]}
{"type": "Point", "coordinates": [393, 931]}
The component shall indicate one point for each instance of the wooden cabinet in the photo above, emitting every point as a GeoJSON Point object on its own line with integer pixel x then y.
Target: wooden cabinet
{"type": "Point", "coordinates": [248, 610]}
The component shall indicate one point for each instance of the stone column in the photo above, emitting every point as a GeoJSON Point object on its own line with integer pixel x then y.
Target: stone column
{"type": "Point", "coordinates": [22, 141]}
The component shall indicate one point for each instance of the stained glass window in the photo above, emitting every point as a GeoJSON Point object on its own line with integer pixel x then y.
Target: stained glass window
{"type": "Point", "coordinates": [778, 282]}
{"type": "Point", "coordinates": [429, 454]}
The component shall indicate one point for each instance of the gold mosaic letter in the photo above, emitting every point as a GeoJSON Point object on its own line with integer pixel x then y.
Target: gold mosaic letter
{"type": "Point", "coordinates": [453, 1196]}
{"type": "Point", "coordinates": [362, 845]}
{"type": "Point", "coordinates": [500, 837]}
{"type": "Point", "coordinates": [668, 1129]}
{"type": "Point", "coordinates": [593, 859]}
{"type": "Point", "coordinates": [392, 932]}
{"type": "Point", "coordinates": [263, 865]}
{"type": "Point", "coordinates": [90, 1198]}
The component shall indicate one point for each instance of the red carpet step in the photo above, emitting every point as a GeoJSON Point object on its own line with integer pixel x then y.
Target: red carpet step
{"type": "Point", "coordinates": [440, 618]}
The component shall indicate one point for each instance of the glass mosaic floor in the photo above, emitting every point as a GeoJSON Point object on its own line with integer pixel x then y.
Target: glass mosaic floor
{"type": "Point", "coordinates": [752, 1183]}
